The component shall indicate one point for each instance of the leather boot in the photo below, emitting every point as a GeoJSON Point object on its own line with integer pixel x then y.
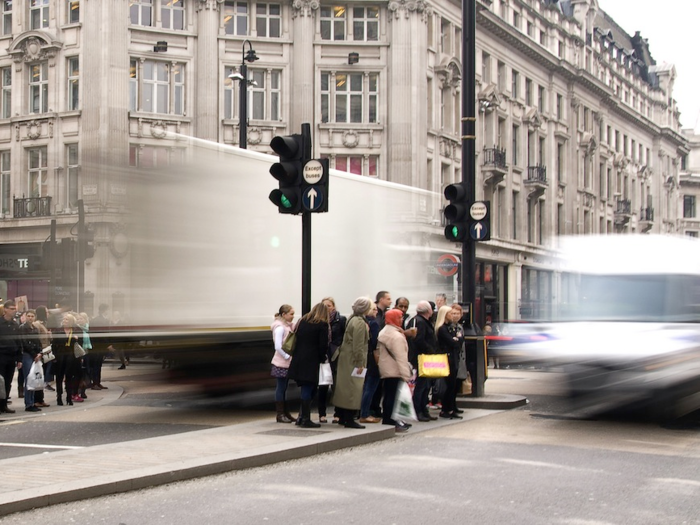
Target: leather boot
{"type": "Point", "coordinates": [306, 416]}
{"type": "Point", "coordinates": [4, 407]}
{"type": "Point", "coordinates": [286, 413]}
{"type": "Point", "coordinates": [281, 417]}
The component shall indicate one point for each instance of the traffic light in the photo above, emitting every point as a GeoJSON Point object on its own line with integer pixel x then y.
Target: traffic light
{"type": "Point", "coordinates": [292, 151]}
{"type": "Point", "coordinates": [456, 213]}
{"type": "Point", "coordinates": [86, 241]}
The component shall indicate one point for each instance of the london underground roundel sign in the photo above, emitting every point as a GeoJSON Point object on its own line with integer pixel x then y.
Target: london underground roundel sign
{"type": "Point", "coordinates": [447, 265]}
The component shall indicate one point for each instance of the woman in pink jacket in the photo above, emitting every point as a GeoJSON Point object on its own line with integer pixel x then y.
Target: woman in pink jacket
{"type": "Point", "coordinates": [281, 327]}
{"type": "Point", "coordinates": [393, 364]}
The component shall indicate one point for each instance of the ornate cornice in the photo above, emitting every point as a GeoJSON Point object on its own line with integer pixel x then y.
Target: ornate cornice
{"type": "Point", "coordinates": [304, 7]}
{"type": "Point", "coordinates": [407, 7]}
{"type": "Point", "coordinates": [33, 46]}
{"type": "Point", "coordinates": [214, 5]}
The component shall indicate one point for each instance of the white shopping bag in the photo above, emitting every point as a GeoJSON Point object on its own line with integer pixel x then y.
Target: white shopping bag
{"type": "Point", "coordinates": [325, 374]}
{"type": "Point", "coordinates": [35, 378]}
{"type": "Point", "coordinates": [403, 405]}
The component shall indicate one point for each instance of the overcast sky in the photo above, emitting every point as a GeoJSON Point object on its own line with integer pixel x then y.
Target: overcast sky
{"type": "Point", "coordinates": [671, 27]}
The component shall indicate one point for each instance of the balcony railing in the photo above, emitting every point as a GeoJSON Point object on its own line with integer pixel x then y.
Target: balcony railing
{"type": "Point", "coordinates": [32, 207]}
{"type": "Point", "coordinates": [537, 174]}
{"type": "Point", "coordinates": [495, 157]}
{"type": "Point", "coordinates": [646, 214]}
{"type": "Point", "coordinates": [624, 206]}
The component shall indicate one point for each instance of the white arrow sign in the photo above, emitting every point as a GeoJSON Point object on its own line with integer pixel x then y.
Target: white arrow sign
{"type": "Point", "coordinates": [312, 194]}
{"type": "Point", "coordinates": [477, 228]}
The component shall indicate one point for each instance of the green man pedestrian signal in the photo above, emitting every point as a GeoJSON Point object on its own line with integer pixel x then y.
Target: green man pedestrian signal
{"type": "Point", "coordinates": [456, 213]}
{"type": "Point", "coordinates": [292, 151]}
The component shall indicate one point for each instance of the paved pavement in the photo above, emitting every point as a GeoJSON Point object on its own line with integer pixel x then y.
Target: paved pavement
{"type": "Point", "coordinates": [74, 474]}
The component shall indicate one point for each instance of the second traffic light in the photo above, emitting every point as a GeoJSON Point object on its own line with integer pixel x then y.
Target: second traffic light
{"type": "Point", "coordinates": [456, 213]}
{"type": "Point", "coordinates": [293, 153]}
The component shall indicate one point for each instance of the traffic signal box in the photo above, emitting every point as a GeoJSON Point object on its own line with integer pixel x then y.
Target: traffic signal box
{"type": "Point", "coordinates": [303, 181]}
{"type": "Point", "coordinates": [456, 213]}
{"type": "Point", "coordinates": [288, 172]}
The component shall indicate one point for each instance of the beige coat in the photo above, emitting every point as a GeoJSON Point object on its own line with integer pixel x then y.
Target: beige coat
{"type": "Point", "coordinates": [392, 339]}
{"type": "Point", "coordinates": [352, 354]}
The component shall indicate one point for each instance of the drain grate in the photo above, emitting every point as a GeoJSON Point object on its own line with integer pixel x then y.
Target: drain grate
{"type": "Point", "coordinates": [293, 432]}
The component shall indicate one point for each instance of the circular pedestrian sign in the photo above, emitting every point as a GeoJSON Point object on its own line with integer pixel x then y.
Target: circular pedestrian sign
{"type": "Point", "coordinates": [447, 265]}
{"type": "Point", "coordinates": [478, 210]}
{"type": "Point", "coordinates": [313, 171]}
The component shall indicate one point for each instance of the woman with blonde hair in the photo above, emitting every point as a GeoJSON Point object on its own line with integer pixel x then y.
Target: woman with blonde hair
{"type": "Point", "coordinates": [67, 365]}
{"type": "Point", "coordinates": [352, 357]}
{"type": "Point", "coordinates": [450, 337]}
{"type": "Point", "coordinates": [281, 360]}
{"type": "Point", "coordinates": [310, 351]}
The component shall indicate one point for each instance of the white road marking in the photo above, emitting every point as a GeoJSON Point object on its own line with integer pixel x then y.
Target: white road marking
{"type": "Point", "coordinates": [34, 445]}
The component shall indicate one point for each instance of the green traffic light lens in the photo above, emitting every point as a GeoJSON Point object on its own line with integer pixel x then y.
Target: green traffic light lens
{"type": "Point", "coordinates": [455, 232]}
{"type": "Point", "coordinates": [285, 202]}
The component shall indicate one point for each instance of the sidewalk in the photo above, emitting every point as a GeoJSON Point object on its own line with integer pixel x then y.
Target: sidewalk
{"type": "Point", "coordinates": [70, 475]}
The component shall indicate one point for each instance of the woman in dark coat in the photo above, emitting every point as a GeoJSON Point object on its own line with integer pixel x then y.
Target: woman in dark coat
{"type": "Point", "coordinates": [67, 365]}
{"type": "Point", "coordinates": [310, 351]}
{"type": "Point", "coordinates": [337, 323]}
{"type": "Point", "coordinates": [450, 338]}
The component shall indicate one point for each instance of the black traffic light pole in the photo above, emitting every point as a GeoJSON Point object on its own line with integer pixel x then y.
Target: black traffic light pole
{"type": "Point", "coordinates": [306, 233]}
{"type": "Point", "coordinates": [469, 182]}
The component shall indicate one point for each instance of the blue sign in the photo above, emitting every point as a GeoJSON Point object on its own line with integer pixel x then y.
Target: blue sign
{"type": "Point", "coordinates": [312, 199]}
{"type": "Point", "coordinates": [479, 230]}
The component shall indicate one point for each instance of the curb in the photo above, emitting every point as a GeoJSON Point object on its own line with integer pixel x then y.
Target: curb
{"type": "Point", "coordinates": [27, 499]}
{"type": "Point", "coordinates": [492, 402]}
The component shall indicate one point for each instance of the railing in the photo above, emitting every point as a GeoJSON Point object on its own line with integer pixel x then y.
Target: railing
{"type": "Point", "coordinates": [646, 214]}
{"type": "Point", "coordinates": [495, 157]}
{"type": "Point", "coordinates": [537, 174]}
{"type": "Point", "coordinates": [32, 207]}
{"type": "Point", "coordinates": [624, 206]}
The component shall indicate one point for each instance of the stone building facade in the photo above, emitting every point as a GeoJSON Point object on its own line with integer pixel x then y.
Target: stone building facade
{"type": "Point", "coordinates": [578, 131]}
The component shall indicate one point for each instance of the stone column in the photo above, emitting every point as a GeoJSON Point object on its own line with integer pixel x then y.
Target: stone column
{"type": "Point", "coordinates": [208, 85]}
{"type": "Point", "coordinates": [104, 118]}
{"type": "Point", "coordinates": [406, 92]}
{"type": "Point", "coordinates": [302, 65]}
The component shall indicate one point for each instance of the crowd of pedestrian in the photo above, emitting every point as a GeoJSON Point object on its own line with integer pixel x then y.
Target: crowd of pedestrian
{"type": "Point", "coordinates": [373, 354]}
{"type": "Point", "coordinates": [40, 346]}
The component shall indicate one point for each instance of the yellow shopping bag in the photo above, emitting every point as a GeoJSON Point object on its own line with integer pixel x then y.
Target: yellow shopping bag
{"type": "Point", "coordinates": [433, 365]}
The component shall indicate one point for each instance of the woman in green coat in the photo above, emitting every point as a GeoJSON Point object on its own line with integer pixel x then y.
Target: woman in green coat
{"type": "Point", "coordinates": [352, 357]}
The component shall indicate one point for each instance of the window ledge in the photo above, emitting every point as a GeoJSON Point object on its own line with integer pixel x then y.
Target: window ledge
{"type": "Point", "coordinates": [159, 116]}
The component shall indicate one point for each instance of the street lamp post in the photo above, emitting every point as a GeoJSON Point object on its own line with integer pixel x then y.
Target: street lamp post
{"type": "Point", "coordinates": [242, 78]}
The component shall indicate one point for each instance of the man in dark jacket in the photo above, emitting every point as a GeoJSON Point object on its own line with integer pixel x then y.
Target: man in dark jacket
{"type": "Point", "coordinates": [31, 352]}
{"type": "Point", "coordinates": [10, 350]}
{"type": "Point", "coordinates": [423, 343]}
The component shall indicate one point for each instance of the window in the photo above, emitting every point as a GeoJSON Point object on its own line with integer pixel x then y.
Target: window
{"type": "Point", "coordinates": [543, 38]}
{"type": "Point", "coordinates": [540, 99]}
{"type": "Point", "coordinates": [172, 14]}
{"type": "Point", "coordinates": [268, 20]}
{"type": "Point", "coordinates": [516, 20]}
{"type": "Point", "coordinates": [157, 87]}
{"type": "Point", "coordinates": [365, 23]}
{"type": "Point", "coordinates": [141, 12]}
{"type": "Point", "coordinates": [528, 92]}
{"type": "Point", "coordinates": [692, 234]}
{"type": "Point", "coordinates": [349, 97]}
{"type": "Point", "coordinates": [514, 215]}
{"type": "Point", "coordinates": [6, 79]}
{"type": "Point", "coordinates": [689, 206]}
{"type": "Point", "coordinates": [516, 145]}
{"type": "Point", "coordinates": [515, 80]}
{"type": "Point", "coordinates": [154, 156]}
{"type": "Point", "coordinates": [560, 107]}
{"type": "Point", "coordinates": [39, 87]}
{"type": "Point", "coordinates": [6, 17]}
{"type": "Point", "coordinates": [530, 29]}
{"type": "Point", "coordinates": [485, 68]}
{"type": "Point", "coordinates": [72, 175]}
{"type": "Point", "coordinates": [39, 14]}
{"type": "Point", "coordinates": [38, 173]}
{"type": "Point", "coordinates": [5, 177]}
{"type": "Point", "coordinates": [236, 18]}
{"type": "Point", "coordinates": [73, 83]}
{"type": "Point", "coordinates": [263, 99]}
{"type": "Point", "coordinates": [73, 15]}
{"type": "Point", "coordinates": [501, 79]}
{"type": "Point", "coordinates": [333, 22]}
{"type": "Point", "coordinates": [358, 164]}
